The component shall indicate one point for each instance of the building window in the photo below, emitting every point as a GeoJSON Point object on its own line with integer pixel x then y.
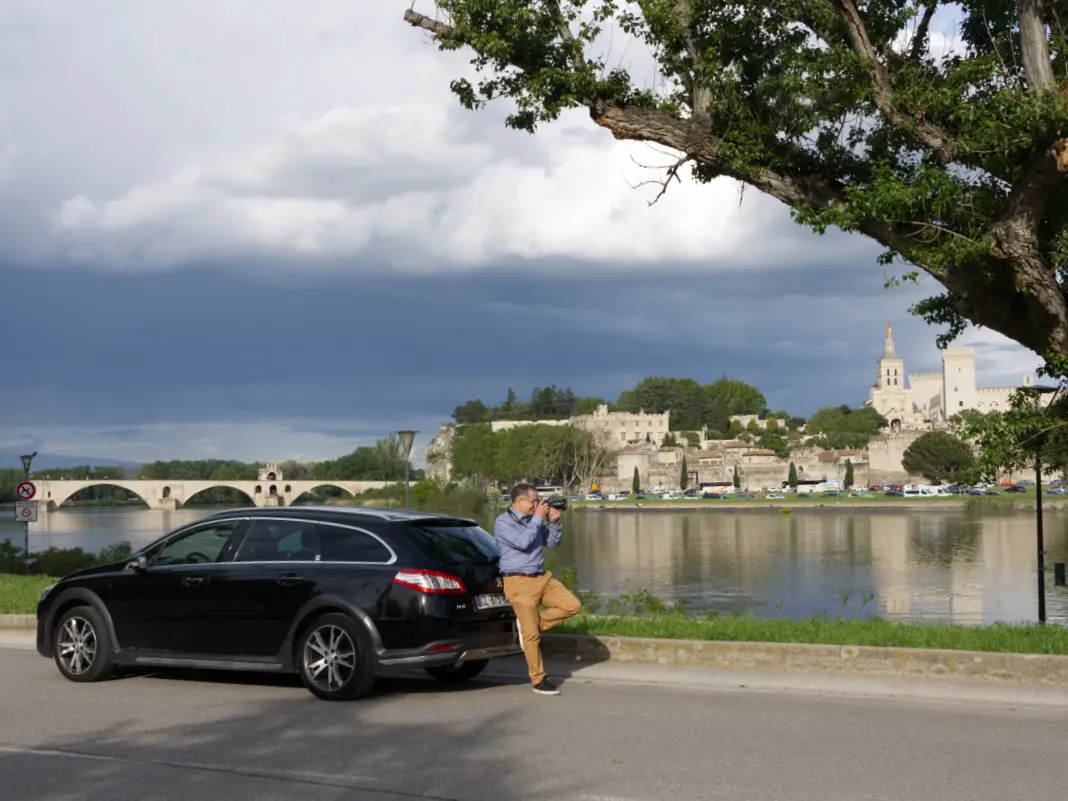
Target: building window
{"type": "Point", "coordinates": [960, 403]}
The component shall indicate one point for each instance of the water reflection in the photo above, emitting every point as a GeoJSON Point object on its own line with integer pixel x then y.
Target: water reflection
{"type": "Point", "coordinates": [962, 568]}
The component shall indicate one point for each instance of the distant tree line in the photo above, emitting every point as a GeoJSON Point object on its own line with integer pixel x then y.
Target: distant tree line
{"type": "Point", "coordinates": [557, 454]}
{"type": "Point", "coordinates": [692, 407]}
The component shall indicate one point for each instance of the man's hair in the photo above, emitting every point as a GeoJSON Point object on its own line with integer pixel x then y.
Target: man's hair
{"type": "Point", "coordinates": [521, 489]}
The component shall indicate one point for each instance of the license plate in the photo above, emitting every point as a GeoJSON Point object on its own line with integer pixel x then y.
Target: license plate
{"type": "Point", "coordinates": [490, 601]}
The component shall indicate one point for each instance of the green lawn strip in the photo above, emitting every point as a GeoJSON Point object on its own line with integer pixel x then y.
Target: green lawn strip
{"type": "Point", "coordinates": [997, 638]}
{"type": "Point", "coordinates": [19, 594]}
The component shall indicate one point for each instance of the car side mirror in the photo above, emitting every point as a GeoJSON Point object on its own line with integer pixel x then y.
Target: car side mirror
{"type": "Point", "coordinates": [138, 563]}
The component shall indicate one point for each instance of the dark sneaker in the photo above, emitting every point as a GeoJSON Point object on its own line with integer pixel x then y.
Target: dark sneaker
{"type": "Point", "coordinates": [546, 687]}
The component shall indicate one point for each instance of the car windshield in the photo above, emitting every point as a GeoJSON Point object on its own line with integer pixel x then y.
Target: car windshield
{"type": "Point", "coordinates": [457, 543]}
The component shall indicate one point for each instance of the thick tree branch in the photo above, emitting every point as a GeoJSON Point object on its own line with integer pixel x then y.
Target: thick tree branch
{"type": "Point", "coordinates": [919, 41]}
{"type": "Point", "coordinates": [701, 96]}
{"type": "Point", "coordinates": [1034, 47]}
{"type": "Point", "coordinates": [924, 131]}
{"type": "Point", "coordinates": [1033, 313]}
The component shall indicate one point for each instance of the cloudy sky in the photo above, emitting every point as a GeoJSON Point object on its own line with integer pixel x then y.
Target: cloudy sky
{"type": "Point", "coordinates": [266, 230]}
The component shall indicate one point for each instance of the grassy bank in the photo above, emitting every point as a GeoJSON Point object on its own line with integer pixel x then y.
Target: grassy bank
{"type": "Point", "coordinates": [19, 594]}
{"type": "Point", "coordinates": [998, 638]}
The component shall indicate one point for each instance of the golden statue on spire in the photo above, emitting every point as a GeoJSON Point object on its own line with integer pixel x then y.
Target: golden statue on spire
{"type": "Point", "coordinates": [888, 331]}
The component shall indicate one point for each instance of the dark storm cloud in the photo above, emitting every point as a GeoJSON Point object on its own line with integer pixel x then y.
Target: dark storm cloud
{"type": "Point", "coordinates": [207, 344]}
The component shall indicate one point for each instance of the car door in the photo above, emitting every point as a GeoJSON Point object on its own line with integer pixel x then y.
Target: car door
{"type": "Point", "coordinates": [160, 606]}
{"type": "Point", "coordinates": [253, 598]}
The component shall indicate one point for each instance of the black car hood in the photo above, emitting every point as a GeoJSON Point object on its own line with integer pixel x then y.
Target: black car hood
{"type": "Point", "coordinates": [96, 570]}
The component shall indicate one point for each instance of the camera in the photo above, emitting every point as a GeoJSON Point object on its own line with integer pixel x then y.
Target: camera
{"type": "Point", "coordinates": [556, 503]}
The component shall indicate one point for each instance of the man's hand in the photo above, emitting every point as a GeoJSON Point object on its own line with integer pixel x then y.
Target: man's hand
{"type": "Point", "coordinates": [542, 510]}
{"type": "Point", "coordinates": [554, 515]}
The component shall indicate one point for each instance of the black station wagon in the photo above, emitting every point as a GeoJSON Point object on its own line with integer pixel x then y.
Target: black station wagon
{"type": "Point", "coordinates": [331, 593]}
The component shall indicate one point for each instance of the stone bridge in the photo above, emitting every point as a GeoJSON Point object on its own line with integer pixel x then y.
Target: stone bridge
{"type": "Point", "coordinates": [174, 494]}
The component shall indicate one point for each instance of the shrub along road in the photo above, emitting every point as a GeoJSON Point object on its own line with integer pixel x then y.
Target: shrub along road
{"type": "Point", "coordinates": [172, 738]}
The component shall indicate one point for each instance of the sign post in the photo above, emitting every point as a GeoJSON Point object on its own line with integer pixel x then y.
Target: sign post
{"type": "Point", "coordinates": [26, 509]}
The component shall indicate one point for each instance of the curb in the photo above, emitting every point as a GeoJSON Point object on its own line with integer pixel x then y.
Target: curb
{"type": "Point", "coordinates": [18, 622]}
{"type": "Point", "coordinates": [1040, 669]}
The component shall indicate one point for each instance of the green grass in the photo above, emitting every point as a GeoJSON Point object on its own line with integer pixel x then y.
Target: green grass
{"type": "Point", "coordinates": [997, 638]}
{"type": "Point", "coordinates": [19, 594]}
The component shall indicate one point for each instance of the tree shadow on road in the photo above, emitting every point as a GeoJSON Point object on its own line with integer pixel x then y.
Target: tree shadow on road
{"type": "Point", "coordinates": [401, 742]}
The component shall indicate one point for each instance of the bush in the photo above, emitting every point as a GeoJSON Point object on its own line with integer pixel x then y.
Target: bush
{"type": "Point", "coordinates": [59, 561]}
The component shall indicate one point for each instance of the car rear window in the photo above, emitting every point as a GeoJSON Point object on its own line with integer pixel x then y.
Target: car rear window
{"type": "Point", "coordinates": [457, 544]}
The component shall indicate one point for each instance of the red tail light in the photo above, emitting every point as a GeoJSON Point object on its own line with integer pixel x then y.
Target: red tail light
{"type": "Point", "coordinates": [431, 582]}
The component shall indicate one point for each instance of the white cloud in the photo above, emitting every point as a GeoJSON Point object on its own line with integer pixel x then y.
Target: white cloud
{"type": "Point", "coordinates": [328, 130]}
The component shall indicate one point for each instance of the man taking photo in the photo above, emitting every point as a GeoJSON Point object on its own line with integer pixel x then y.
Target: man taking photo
{"type": "Point", "coordinates": [521, 532]}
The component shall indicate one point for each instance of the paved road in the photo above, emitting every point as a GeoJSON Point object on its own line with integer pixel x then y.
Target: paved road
{"type": "Point", "coordinates": [175, 737]}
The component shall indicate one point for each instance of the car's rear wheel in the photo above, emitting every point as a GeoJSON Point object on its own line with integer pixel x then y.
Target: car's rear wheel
{"type": "Point", "coordinates": [335, 659]}
{"type": "Point", "coordinates": [465, 671]}
{"type": "Point", "coordinates": [81, 646]}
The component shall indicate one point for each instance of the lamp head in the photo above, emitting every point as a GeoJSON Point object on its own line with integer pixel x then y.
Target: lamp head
{"type": "Point", "coordinates": [406, 439]}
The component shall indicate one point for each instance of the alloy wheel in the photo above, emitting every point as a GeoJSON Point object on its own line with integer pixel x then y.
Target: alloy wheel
{"type": "Point", "coordinates": [329, 658]}
{"type": "Point", "coordinates": [77, 645]}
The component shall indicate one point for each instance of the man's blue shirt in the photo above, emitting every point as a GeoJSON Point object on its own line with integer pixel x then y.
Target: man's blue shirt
{"type": "Point", "coordinates": [521, 541]}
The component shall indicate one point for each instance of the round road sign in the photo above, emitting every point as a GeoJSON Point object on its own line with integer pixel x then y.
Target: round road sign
{"type": "Point", "coordinates": [26, 490]}
{"type": "Point", "coordinates": [26, 512]}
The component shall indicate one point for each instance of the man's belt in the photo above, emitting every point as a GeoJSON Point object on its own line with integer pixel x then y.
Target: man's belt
{"type": "Point", "coordinates": [527, 575]}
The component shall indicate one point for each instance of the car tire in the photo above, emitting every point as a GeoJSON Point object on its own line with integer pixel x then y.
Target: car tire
{"type": "Point", "coordinates": [455, 674]}
{"type": "Point", "coordinates": [335, 659]}
{"type": "Point", "coordinates": [81, 646]}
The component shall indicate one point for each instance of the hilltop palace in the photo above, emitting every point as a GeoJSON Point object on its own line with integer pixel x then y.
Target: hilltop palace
{"type": "Point", "coordinates": [911, 403]}
{"type": "Point", "coordinates": [931, 399]}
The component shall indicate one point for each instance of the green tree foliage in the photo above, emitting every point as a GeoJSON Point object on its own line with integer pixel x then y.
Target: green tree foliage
{"type": "Point", "coordinates": [474, 411]}
{"type": "Point", "coordinates": [774, 441]}
{"type": "Point", "coordinates": [843, 427]}
{"type": "Point", "coordinates": [737, 479]}
{"type": "Point", "coordinates": [383, 461]}
{"type": "Point", "coordinates": [690, 405]}
{"type": "Point", "coordinates": [669, 440]}
{"type": "Point", "coordinates": [791, 477]}
{"type": "Point", "coordinates": [846, 112]}
{"type": "Point", "coordinates": [684, 475]}
{"type": "Point", "coordinates": [848, 480]}
{"type": "Point", "coordinates": [938, 456]}
{"type": "Point", "coordinates": [635, 481]}
{"type": "Point", "coordinates": [1011, 440]}
{"type": "Point", "coordinates": [556, 454]}
{"type": "Point", "coordinates": [693, 439]}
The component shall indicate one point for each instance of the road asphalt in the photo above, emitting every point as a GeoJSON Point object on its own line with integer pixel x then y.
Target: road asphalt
{"type": "Point", "coordinates": [630, 734]}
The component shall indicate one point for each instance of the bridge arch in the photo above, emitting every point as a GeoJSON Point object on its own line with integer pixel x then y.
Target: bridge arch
{"type": "Point", "coordinates": [62, 497]}
{"type": "Point", "coordinates": [344, 490]}
{"type": "Point", "coordinates": [204, 486]}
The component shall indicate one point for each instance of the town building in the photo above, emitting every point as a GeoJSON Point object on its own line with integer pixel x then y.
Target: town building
{"type": "Point", "coordinates": [923, 401]}
{"type": "Point", "coordinates": [619, 429]}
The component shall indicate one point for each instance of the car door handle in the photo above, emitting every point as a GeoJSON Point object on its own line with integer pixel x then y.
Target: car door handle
{"type": "Point", "coordinates": [192, 581]}
{"type": "Point", "coordinates": [289, 579]}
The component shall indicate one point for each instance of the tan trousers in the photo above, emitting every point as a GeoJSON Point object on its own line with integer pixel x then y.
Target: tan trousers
{"type": "Point", "coordinates": [526, 594]}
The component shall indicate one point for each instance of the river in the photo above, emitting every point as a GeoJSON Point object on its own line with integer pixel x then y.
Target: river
{"type": "Point", "coordinates": [954, 566]}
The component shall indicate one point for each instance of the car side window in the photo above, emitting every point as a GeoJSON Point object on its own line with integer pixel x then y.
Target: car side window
{"type": "Point", "coordinates": [341, 544]}
{"type": "Point", "coordinates": [280, 541]}
{"type": "Point", "coordinates": [200, 545]}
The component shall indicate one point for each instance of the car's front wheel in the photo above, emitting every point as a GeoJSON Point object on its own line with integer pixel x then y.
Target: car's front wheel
{"type": "Point", "coordinates": [454, 674]}
{"type": "Point", "coordinates": [335, 659]}
{"type": "Point", "coordinates": [81, 646]}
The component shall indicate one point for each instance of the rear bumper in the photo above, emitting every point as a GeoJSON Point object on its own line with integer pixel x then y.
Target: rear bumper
{"type": "Point", "coordinates": [452, 652]}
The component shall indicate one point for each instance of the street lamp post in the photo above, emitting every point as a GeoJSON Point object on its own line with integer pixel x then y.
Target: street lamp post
{"type": "Point", "coordinates": [407, 437]}
{"type": "Point", "coordinates": [27, 460]}
{"type": "Point", "coordinates": [1040, 543]}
